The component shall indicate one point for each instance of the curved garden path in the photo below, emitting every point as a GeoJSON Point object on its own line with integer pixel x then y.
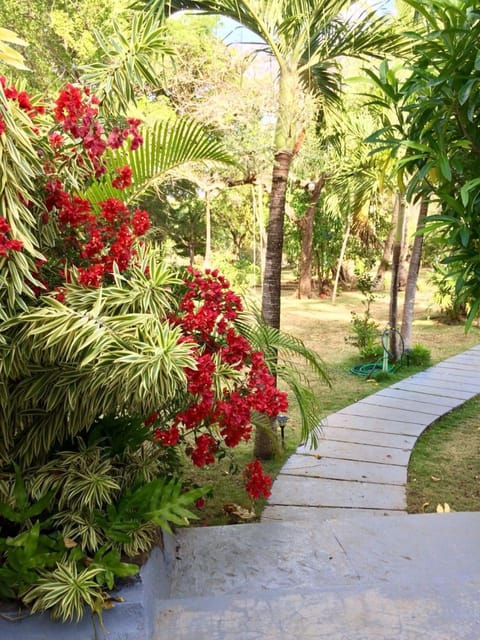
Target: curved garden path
{"type": "Point", "coordinates": [322, 565]}
{"type": "Point", "coordinates": [360, 463]}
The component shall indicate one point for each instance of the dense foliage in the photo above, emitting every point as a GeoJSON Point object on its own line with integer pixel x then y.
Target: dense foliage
{"type": "Point", "coordinates": [112, 361]}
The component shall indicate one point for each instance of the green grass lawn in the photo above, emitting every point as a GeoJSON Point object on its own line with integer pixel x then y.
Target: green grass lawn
{"type": "Point", "coordinates": [324, 327]}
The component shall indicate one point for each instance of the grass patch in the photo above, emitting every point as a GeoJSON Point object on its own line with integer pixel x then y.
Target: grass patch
{"type": "Point", "coordinates": [445, 463]}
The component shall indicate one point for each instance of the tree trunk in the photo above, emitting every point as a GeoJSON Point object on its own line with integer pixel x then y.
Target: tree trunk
{"type": "Point", "coordinates": [412, 278]}
{"type": "Point", "coordinates": [397, 252]}
{"type": "Point", "coordinates": [346, 236]}
{"type": "Point", "coordinates": [273, 257]}
{"type": "Point", "coordinates": [386, 260]}
{"type": "Point", "coordinates": [207, 263]}
{"type": "Point", "coordinates": [306, 233]}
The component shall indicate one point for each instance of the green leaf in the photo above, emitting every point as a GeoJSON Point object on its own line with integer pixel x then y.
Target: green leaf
{"type": "Point", "coordinates": [445, 167]}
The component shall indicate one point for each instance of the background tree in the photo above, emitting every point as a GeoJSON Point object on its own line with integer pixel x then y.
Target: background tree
{"type": "Point", "coordinates": [306, 39]}
{"type": "Point", "coordinates": [60, 36]}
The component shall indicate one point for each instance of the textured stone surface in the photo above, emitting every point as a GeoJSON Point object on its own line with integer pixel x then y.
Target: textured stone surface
{"type": "Point", "coordinates": [369, 423]}
{"type": "Point", "coordinates": [448, 379]}
{"type": "Point", "coordinates": [421, 396]}
{"type": "Point", "coordinates": [353, 451]}
{"type": "Point", "coordinates": [410, 415]}
{"type": "Point", "coordinates": [333, 468]}
{"type": "Point", "coordinates": [362, 436]}
{"type": "Point", "coordinates": [313, 516]}
{"type": "Point", "coordinates": [409, 404]}
{"type": "Point", "coordinates": [392, 589]}
{"type": "Point", "coordinates": [239, 559]}
{"type": "Point", "coordinates": [430, 386]}
{"type": "Point", "coordinates": [320, 492]}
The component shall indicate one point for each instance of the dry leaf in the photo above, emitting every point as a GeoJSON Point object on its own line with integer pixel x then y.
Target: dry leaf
{"type": "Point", "coordinates": [69, 543]}
{"type": "Point", "coordinates": [435, 479]}
{"type": "Point", "coordinates": [237, 513]}
{"type": "Point", "coordinates": [443, 509]}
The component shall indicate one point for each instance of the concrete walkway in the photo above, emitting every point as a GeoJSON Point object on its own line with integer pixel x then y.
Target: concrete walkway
{"type": "Point", "coordinates": [320, 565]}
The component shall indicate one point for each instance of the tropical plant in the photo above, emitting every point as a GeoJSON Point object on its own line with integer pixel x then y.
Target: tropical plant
{"type": "Point", "coordinates": [307, 40]}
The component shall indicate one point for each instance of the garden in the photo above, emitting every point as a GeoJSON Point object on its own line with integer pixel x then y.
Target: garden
{"type": "Point", "coordinates": [199, 243]}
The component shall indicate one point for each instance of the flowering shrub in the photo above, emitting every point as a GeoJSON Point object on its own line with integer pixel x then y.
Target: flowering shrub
{"type": "Point", "coordinates": [92, 237]}
{"type": "Point", "coordinates": [207, 311]}
{"type": "Point", "coordinates": [230, 381]}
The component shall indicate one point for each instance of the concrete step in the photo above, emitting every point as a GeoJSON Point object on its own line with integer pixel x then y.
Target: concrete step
{"type": "Point", "coordinates": [343, 579]}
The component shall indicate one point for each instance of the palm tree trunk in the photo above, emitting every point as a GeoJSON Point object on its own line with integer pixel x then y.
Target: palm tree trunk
{"type": "Point", "coordinates": [207, 263]}
{"type": "Point", "coordinates": [306, 232]}
{"type": "Point", "coordinates": [273, 257]}
{"type": "Point", "coordinates": [413, 270]}
{"type": "Point", "coordinates": [386, 260]}
{"type": "Point", "coordinates": [397, 252]}
{"type": "Point", "coordinates": [346, 236]}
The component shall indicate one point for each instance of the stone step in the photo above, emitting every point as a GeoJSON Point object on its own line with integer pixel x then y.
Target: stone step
{"type": "Point", "coordinates": [360, 579]}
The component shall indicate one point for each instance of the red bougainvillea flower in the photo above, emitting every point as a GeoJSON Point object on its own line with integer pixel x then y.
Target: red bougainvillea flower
{"type": "Point", "coordinates": [123, 179]}
{"type": "Point", "coordinates": [167, 437]}
{"type": "Point", "coordinates": [204, 452]}
{"type": "Point", "coordinates": [7, 244]}
{"type": "Point", "coordinates": [257, 483]}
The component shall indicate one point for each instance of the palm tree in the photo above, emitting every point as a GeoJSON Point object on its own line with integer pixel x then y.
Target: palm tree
{"type": "Point", "coordinates": [307, 39]}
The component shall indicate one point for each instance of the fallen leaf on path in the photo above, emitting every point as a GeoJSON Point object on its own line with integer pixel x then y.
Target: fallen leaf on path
{"type": "Point", "coordinates": [443, 509]}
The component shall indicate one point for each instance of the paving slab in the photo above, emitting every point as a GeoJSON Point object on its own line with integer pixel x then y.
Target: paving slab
{"type": "Point", "coordinates": [352, 613]}
{"type": "Point", "coordinates": [387, 413]}
{"type": "Point", "coordinates": [458, 365]}
{"type": "Point", "coordinates": [353, 451]}
{"type": "Point", "coordinates": [416, 404]}
{"type": "Point", "coordinates": [431, 387]}
{"type": "Point", "coordinates": [445, 378]}
{"type": "Point", "coordinates": [369, 423]}
{"type": "Point", "coordinates": [421, 396]}
{"type": "Point", "coordinates": [321, 492]}
{"type": "Point", "coordinates": [313, 516]}
{"type": "Point", "coordinates": [362, 436]}
{"type": "Point", "coordinates": [446, 548]}
{"type": "Point", "coordinates": [359, 471]}
{"type": "Point", "coordinates": [381, 587]}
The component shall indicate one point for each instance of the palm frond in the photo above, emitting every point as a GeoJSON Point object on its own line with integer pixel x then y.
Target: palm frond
{"type": "Point", "coordinates": [167, 146]}
{"type": "Point", "coordinates": [284, 355]}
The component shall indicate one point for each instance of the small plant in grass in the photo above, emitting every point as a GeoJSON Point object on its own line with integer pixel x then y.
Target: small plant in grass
{"type": "Point", "coordinates": [365, 329]}
{"type": "Point", "coordinates": [419, 356]}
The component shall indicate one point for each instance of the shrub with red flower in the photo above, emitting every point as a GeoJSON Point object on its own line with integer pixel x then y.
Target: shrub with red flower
{"type": "Point", "coordinates": [207, 312]}
{"type": "Point", "coordinates": [7, 244]}
{"type": "Point", "coordinates": [92, 236]}
{"type": "Point", "coordinates": [230, 381]}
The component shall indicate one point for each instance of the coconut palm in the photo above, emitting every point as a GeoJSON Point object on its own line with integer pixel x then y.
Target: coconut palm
{"type": "Point", "coordinates": [307, 39]}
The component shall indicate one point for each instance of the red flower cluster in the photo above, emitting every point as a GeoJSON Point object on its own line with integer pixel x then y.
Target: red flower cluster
{"type": "Point", "coordinates": [204, 452]}
{"type": "Point", "coordinates": [257, 483]}
{"type": "Point", "coordinates": [23, 100]}
{"type": "Point", "coordinates": [167, 437]}
{"type": "Point", "coordinates": [76, 111]}
{"type": "Point", "coordinates": [7, 244]}
{"type": "Point", "coordinates": [207, 312]}
{"type": "Point", "coordinates": [93, 242]}
{"type": "Point", "coordinates": [123, 179]}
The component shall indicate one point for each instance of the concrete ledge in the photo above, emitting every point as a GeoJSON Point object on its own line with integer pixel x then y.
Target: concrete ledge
{"type": "Point", "coordinates": [131, 619]}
